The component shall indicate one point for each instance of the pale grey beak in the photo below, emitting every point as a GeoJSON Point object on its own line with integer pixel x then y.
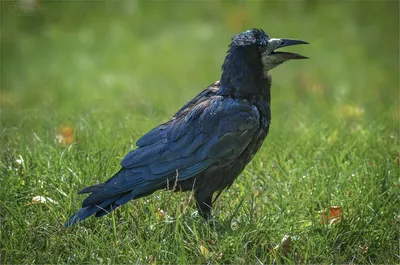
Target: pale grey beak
{"type": "Point", "coordinates": [284, 56]}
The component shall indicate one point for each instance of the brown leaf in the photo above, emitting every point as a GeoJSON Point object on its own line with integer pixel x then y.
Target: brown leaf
{"type": "Point", "coordinates": [364, 249]}
{"type": "Point", "coordinates": [153, 260]}
{"type": "Point", "coordinates": [312, 85]}
{"type": "Point", "coordinates": [397, 160]}
{"type": "Point", "coordinates": [66, 135]}
{"type": "Point", "coordinates": [335, 215]}
{"type": "Point", "coordinates": [160, 214]}
{"type": "Point", "coordinates": [285, 245]}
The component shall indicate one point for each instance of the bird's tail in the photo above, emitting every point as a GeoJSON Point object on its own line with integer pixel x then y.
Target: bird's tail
{"type": "Point", "coordinates": [98, 203]}
{"type": "Point", "coordinates": [116, 191]}
{"type": "Point", "coordinates": [101, 201]}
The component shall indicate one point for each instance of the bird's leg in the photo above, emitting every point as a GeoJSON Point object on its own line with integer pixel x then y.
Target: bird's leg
{"type": "Point", "coordinates": [204, 206]}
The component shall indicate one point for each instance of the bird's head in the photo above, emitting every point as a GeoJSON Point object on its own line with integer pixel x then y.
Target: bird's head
{"type": "Point", "coordinates": [259, 46]}
{"type": "Point", "coordinates": [245, 71]}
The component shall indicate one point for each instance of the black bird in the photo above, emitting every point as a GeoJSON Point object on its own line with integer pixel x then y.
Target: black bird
{"type": "Point", "coordinates": [209, 141]}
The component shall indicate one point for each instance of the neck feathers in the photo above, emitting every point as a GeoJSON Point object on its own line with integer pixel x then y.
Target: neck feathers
{"type": "Point", "coordinates": [243, 75]}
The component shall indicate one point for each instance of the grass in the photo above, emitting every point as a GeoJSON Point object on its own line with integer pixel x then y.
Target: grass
{"type": "Point", "coordinates": [116, 72]}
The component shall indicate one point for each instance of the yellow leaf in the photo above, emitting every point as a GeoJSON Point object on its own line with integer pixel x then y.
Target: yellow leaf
{"type": "Point", "coordinates": [351, 111]}
{"type": "Point", "coordinates": [333, 137]}
{"type": "Point", "coordinates": [204, 251]}
{"type": "Point", "coordinates": [7, 99]}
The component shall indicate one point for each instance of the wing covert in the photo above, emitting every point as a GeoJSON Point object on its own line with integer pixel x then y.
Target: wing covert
{"type": "Point", "coordinates": [214, 131]}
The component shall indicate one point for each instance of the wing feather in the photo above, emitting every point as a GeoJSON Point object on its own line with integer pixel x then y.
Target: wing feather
{"type": "Point", "coordinates": [217, 129]}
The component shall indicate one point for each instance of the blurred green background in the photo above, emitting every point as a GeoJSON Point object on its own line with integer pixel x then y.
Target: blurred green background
{"type": "Point", "coordinates": [71, 57]}
{"type": "Point", "coordinates": [105, 72]}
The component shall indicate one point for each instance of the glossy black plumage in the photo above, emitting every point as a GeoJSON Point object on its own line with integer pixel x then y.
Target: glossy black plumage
{"type": "Point", "coordinates": [205, 145]}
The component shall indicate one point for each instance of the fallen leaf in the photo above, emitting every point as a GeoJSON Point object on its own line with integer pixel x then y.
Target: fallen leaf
{"type": "Point", "coordinates": [153, 260]}
{"type": "Point", "coordinates": [20, 162]}
{"type": "Point", "coordinates": [7, 99]}
{"type": "Point", "coordinates": [364, 249]}
{"type": "Point", "coordinates": [204, 251]}
{"type": "Point", "coordinates": [160, 214]}
{"type": "Point", "coordinates": [234, 225]}
{"type": "Point", "coordinates": [257, 193]}
{"type": "Point", "coordinates": [335, 215]}
{"type": "Point", "coordinates": [285, 245]}
{"type": "Point", "coordinates": [351, 111]}
{"type": "Point", "coordinates": [333, 137]}
{"type": "Point", "coordinates": [312, 85]}
{"type": "Point", "coordinates": [66, 135]}
{"type": "Point", "coordinates": [41, 200]}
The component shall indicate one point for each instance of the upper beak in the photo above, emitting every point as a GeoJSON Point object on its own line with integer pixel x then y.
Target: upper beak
{"type": "Point", "coordinates": [289, 55]}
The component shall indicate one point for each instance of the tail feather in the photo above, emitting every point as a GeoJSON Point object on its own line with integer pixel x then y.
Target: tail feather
{"type": "Point", "coordinates": [94, 188]}
{"type": "Point", "coordinates": [97, 197]}
{"type": "Point", "coordinates": [85, 212]}
{"type": "Point", "coordinates": [106, 197]}
{"type": "Point", "coordinates": [100, 209]}
{"type": "Point", "coordinates": [120, 201]}
{"type": "Point", "coordinates": [107, 210]}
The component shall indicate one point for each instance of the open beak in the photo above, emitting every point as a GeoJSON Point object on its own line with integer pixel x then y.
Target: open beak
{"type": "Point", "coordinates": [288, 55]}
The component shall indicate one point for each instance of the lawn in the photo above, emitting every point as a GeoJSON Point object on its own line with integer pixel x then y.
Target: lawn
{"type": "Point", "coordinates": [81, 81]}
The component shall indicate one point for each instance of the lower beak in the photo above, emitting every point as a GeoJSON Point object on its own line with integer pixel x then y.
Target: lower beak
{"type": "Point", "coordinates": [289, 55]}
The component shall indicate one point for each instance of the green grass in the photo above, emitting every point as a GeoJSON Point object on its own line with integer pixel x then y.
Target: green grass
{"type": "Point", "coordinates": [113, 71]}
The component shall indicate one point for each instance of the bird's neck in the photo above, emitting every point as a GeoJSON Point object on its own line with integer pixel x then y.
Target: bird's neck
{"type": "Point", "coordinates": [243, 76]}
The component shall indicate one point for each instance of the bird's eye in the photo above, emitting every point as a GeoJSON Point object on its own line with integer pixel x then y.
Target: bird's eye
{"type": "Point", "coordinates": [262, 48]}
